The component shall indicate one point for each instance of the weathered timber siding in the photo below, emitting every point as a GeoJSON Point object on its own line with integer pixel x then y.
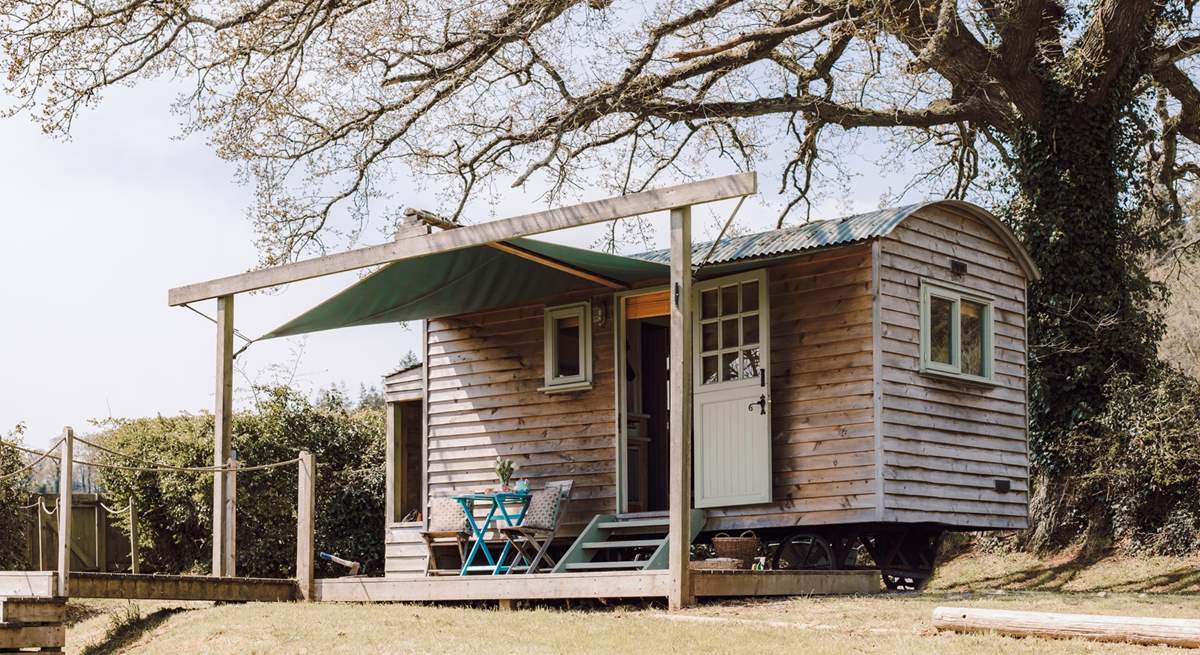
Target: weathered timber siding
{"type": "Point", "coordinates": [484, 373]}
{"type": "Point", "coordinates": [405, 552]}
{"type": "Point", "coordinates": [945, 442]}
{"type": "Point", "coordinates": [823, 445]}
{"type": "Point", "coordinates": [404, 385]}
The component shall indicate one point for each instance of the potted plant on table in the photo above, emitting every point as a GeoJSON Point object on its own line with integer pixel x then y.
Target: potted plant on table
{"type": "Point", "coordinates": [504, 471]}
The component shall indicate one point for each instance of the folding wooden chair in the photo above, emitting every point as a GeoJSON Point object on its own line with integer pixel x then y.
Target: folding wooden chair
{"type": "Point", "coordinates": [531, 540]}
{"type": "Point", "coordinates": [447, 526]}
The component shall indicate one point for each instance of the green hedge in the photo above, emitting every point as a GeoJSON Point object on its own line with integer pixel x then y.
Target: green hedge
{"type": "Point", "coordinates": [13, 493]}
{"type": "Point", "coordinates": [175, 509]}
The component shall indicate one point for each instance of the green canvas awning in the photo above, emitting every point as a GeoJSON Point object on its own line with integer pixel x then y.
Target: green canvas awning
{"type": "Point", "coordinates": [462, 281]}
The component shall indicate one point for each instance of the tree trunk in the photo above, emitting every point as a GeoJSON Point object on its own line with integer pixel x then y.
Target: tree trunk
{"type": "Point", "coordinates": [1091, 315]}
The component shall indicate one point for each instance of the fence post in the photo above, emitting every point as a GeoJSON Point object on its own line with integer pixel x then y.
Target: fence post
{"type": "Point", "coordinates": [305, 524]}
{"type": "Point", "coordinates": [65, 489]}
{"type": "Point", "coordinates": [231, 516]}
{"type": "Point", "coordinates": [135, 566]}
{"type": "Point", "coordinates": [43, 544]}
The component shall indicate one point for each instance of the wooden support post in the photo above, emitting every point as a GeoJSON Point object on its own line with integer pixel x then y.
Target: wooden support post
{"type": "Point", "coordinates": [306, 510]}
{"type": "Point", "coordinates": [222, 437]}
{"type": "Point", "coordinates": [66, 485]}
{"type": "Point", "coordinates": [101, 537]}
{"type": "Point", "coordinates": [231, 516]}
{"type": "Point", "coordinates": [43, 545]}
{"type": "Point", "coordinates": [392, 472]}
{"type": "Point", "coordinates": [135, 565]}
{"type": "Point", "coordinates": [680, 403]}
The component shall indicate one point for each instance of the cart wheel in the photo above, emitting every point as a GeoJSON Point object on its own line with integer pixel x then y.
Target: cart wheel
{"type": "Point", "coordinates": [804, 551]}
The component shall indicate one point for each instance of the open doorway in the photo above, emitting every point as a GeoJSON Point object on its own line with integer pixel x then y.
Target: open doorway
{"type": "Point", "coordinates": [645, 376]}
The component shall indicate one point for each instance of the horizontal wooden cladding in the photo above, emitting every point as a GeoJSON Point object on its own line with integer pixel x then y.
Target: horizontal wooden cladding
{"type": "Point", "coordinates": [647, 305]}
{"type": "Point", "coordinates": [485, 370]}
{"type": "Point", "coordinates": [945, 443]}
{"type": "Point", "coordinates": [821, 389]}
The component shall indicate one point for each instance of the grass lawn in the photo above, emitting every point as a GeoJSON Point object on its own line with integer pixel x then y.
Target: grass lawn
{"type": "Point", "coordinates": [891, 623]}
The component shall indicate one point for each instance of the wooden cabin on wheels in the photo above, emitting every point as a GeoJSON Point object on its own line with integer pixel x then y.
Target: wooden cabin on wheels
{"type": "Point", "coordinates": [849, 390]}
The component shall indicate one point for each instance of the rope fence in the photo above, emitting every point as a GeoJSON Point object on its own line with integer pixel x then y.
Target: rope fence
{"type": "Point", "coordinates": [146, 467]}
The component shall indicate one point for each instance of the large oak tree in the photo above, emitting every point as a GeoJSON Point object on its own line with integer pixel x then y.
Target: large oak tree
{"type": "Point", "coordinates": [1076, 120]}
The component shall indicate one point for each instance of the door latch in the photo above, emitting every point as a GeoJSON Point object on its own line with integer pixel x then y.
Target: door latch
{"type": "Point", "coordinates": [761, 403]}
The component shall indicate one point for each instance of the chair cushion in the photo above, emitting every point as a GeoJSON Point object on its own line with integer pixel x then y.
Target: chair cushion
{"type": "Point", "coordinates": [446, 515]}
{"type": "Point", "coordinates": [543, 510]}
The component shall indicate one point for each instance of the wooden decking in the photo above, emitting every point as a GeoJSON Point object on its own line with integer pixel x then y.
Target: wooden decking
{"type": "Point", "coordinates": [556, 586]}
{"type": "Point", "coordinates": [610, 584]}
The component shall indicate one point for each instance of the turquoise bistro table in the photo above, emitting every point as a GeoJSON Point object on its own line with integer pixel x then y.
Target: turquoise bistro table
{"type": "Point", "coordinates": [498, 511]}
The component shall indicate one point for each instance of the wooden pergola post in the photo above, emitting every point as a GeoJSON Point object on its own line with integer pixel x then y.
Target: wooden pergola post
{"type": "Point", "coordinates": [223, 485]}
{"type": "Point", "coordinates": [135, 565]}
{"type": "Point", "coordinates": [66, 477]}
{"type": "Point", "coordinates": [306, 510]}
{"type": "Point", "coordinates": [680, 403]}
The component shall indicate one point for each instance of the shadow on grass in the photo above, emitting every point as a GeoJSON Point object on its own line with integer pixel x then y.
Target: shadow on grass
{"type": "Point", "coordinates": [1056, 576]}
{"type": "Point", "coordinates": [127, 627]}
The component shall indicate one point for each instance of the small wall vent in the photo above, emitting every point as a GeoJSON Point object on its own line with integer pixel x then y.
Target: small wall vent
{"type": "Point", "coordinates": [958, 267]}
{"type": "Point", "coordinates": [1003, 486]}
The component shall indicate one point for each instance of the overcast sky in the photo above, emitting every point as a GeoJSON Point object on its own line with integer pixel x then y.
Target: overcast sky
{"type": "Point", "coordinates": [95, 230]}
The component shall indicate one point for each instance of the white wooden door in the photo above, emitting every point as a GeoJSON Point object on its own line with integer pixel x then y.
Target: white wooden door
{"type": "Point", "coordinates": [732, 393]}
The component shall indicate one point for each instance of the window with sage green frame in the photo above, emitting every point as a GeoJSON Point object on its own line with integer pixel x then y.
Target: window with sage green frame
{"type": "Point", "coordinates": [568, 352]}
{"type": "Point", "coordinates": [956, 332]}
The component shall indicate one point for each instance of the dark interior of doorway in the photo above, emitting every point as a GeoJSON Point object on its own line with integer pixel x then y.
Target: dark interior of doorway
{"type": "Point", "coordinates": [646, 373]}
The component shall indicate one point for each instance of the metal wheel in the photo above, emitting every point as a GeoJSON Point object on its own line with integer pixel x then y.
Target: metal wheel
{"type": "Point", "coordinates": [804, 551]}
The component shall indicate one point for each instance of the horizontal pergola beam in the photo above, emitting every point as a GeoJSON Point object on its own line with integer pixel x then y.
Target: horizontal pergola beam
{"type": "Point", "coordinates": [694, 193]}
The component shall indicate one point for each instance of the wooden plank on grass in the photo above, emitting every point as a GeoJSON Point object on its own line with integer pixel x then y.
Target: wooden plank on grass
{"type": "Point", "coordinates": [1184, 633]}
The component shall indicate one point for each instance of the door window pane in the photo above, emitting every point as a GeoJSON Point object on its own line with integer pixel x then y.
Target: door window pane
{"type": "Point", "coordinates": [708, 304]}
{"type": "Point", "coordinates": [750, 330]}
{"type": "Point", "coordinates": [708, 337]}
{"type": "Point", "coordinates": [729, 300]}
{"type": "Point", "coordinates": [750, 296]}
{"type": "Point", "coordinates": [971, 337]}
{"type": "Point", "coordinates": [941, 312]}
{"type": "Point", "coordinates": [566, 342]}
{"type": "Point", "coordinates": [729, 333]}
{"type": "Point", "coordinates": [729, 366]}
{"type": "Point", "coordinates": [750, 363]}
{"type": "Point", "coordinates": [710, 369]}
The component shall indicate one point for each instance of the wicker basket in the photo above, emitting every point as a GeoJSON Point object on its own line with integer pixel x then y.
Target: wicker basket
{"type": "Point", "coordinates": [743, 547]}
{"type": "Point", "coordinates": [717, 564]}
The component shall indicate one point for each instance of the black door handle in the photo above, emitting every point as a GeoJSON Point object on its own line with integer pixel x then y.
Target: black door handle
{"type": "Point", "coordinates": [762, 405]}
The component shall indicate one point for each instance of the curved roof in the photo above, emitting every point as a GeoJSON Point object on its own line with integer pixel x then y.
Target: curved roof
{"type": "Point", "coordinates": [841, 231]}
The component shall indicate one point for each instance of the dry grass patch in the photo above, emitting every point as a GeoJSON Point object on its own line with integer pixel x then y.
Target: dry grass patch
{"type": "Point", "coordinates": [1071, 571]}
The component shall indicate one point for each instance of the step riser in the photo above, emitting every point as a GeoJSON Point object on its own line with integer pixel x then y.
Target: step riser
{"type": "Point", "coordinates": [32, 610]}
{"type": "Point", "coordinates": [14, 636]}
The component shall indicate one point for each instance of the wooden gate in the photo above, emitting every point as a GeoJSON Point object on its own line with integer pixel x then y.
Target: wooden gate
{"type": "Point", "coordinates": [98, 540]}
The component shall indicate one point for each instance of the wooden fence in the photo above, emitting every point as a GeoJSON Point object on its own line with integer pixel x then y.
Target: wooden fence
{"type": "Point", "coordinates": [100, 537]}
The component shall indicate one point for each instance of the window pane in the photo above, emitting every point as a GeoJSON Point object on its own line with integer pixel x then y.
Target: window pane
{"type": "Point", "coordinates": [750, 330]}
{"type": "Point", "coordinates": [729, 366]}
{"type": "Point", "coordinates": [971, 337]}
{"type": "Point", "coordinates": [729, 333]}
{"type": "Point", "coordinates": [750, 296]}
{"type": "Point", "coordinates": [708, 337]}
{"type": "Point", "coordinates": [940, 310]}
{"type": "Point", "coordinates": [710, 369]}
{"type": "Point", "coordinates": [729, 300]}
{"type": "Point", "coordinates": [708, 304]}
{"type": "Point", "coordinates": [566, 346]}
{"type": "Point", "coordinates": [750, 363]}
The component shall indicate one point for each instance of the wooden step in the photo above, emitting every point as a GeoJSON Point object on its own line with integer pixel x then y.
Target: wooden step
{"type": "Point", "coordinates": [630, 543]}
{"type": "Point", "coordinates": [606, 566]}
{"type": "Point", "coordinates": [33, 610]}
{"type": "Point", "coordinates": [636, 524]}
{"type": "Point", "coordinates": [14, 636]}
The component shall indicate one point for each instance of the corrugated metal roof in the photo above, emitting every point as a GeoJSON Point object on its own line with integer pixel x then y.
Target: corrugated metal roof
{"type": "Point", "coordinates": [814, 234]}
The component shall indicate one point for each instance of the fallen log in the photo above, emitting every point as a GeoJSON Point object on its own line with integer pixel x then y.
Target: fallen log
{"type": "Point", "coordinates": [1183, 633]}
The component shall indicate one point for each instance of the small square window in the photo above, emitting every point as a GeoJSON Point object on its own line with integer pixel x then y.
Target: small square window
{"type": "Point", "coordinates": [956, 333]}
{"type": "Point", "coordinates": [568, 347]}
